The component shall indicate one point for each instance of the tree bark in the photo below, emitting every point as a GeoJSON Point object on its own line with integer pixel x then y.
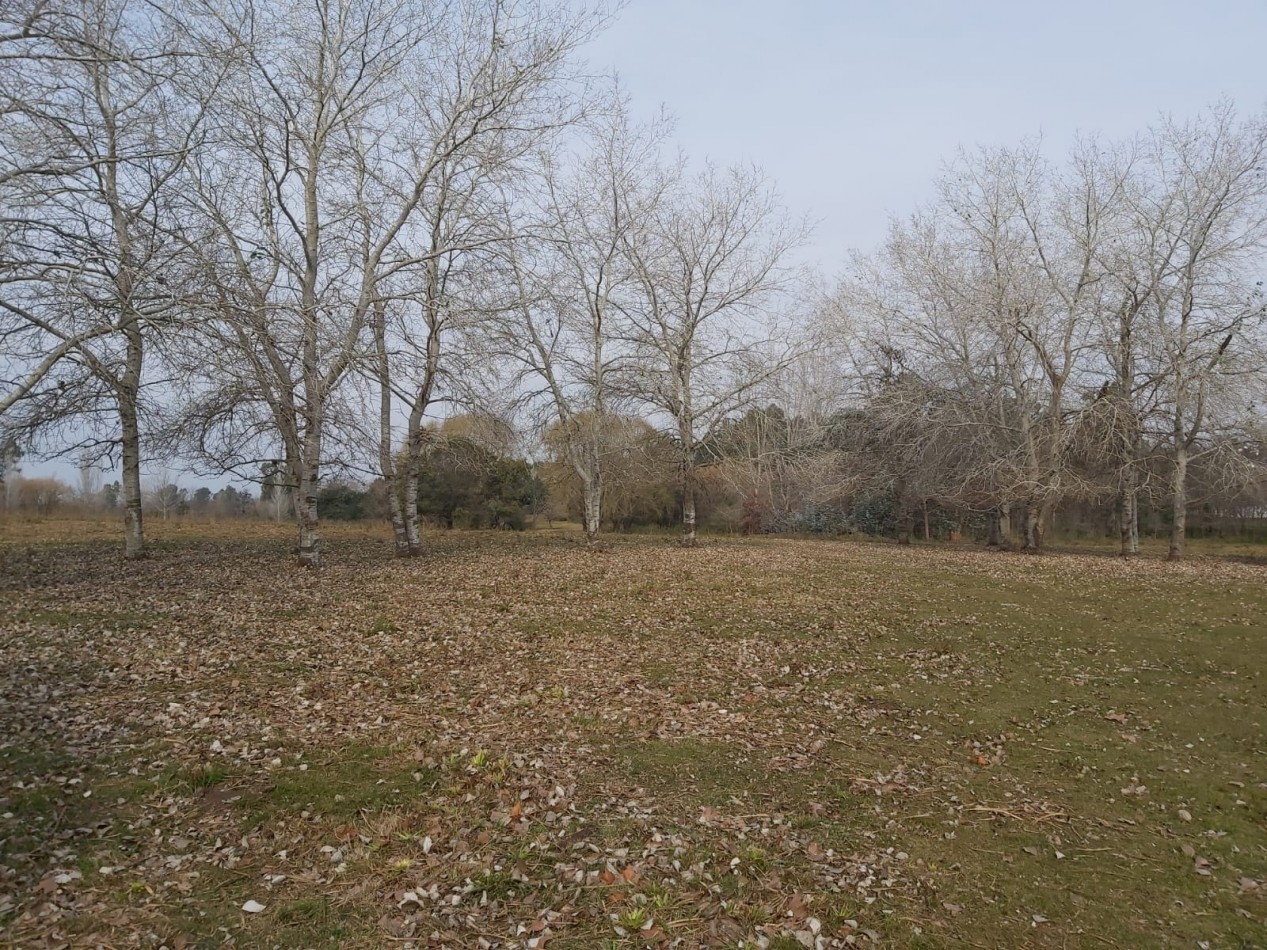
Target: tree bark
{"type": "Point", "coordinates": [1179, 503]}
{"type": "Point", "coordinates": [592, 497]}
{"type": "Point", "coordinates": [994, 537]}
{"type": "Point", "coordinates": [396, 500]}
{"type": "Point", "coordinates": [1128, 521]}
{"type": "Point", "coordinates": [396, 512]}
{"type": "Point", "coordinates": [309, 548]}
{"type": "Point", "coordinates": [1031, 528]}
{"type": "Point", "coordinates": [133, 528]}
{"type": "Point", "coordinates": [688, 505]}
{"type": "Point", "coordinates": [1134, 524]}
{"type": "Point", "coordinates": [413, 536]}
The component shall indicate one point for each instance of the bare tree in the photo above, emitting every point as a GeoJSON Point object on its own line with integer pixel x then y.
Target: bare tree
{"type": "Point", "coordinates": [163, 495]}
{"type": "Point", "coordinates": [1208, 208]}
{"type": "Point", "coordinates": [353, 149]}
{"type": "Point", "coordinates": [568, 270]}
{"type": "Point", "coordinates": [1059, 315]}
{"type": "Point", "coordinates": [711, 323]}
{"type": "Point", "coordinates": [502, 81]}
{"type": "Point", "coordinates": [109, 106]}
{"type": "Point", "coordinates": [89, 480]}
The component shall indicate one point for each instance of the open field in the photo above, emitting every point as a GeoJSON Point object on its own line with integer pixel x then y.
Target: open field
{"type": "Point", "coordinates": [515, 742]}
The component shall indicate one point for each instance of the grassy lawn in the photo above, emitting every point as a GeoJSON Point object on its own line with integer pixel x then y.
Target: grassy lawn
{"type": "Point", "coordinates": [515, 742]}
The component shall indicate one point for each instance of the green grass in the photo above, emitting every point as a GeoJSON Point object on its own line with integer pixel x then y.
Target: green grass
{"type": "Point", "coordinates": [343, 783]}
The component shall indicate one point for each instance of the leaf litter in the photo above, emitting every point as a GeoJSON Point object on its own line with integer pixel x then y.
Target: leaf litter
{"type": "Point", "coordinates": [515, 743]}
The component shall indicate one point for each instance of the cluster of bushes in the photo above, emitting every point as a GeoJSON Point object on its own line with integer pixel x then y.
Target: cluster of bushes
{"type": "Point", "coordinates": [467, 485]}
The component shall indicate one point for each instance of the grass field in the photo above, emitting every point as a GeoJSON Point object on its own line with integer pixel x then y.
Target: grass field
{"type": "Point", "coordinates": [515, 742]}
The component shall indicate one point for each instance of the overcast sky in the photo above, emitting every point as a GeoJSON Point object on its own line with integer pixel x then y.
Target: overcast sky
{"type": "Point", "coordinates": [852, 106]}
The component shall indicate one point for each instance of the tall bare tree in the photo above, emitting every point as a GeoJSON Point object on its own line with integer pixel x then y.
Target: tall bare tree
{"type": "Point", "coordinates": [108, 105]}
{"type": "Point", "coordinates": [342, 126]}
{"type": "Point", "coordinates": [500, 80]}
{"type": "Point", "coordinates": [570, 276]}
{"type": "Point", "coordinates": [711, 322]}
{"type": "Point", "coordinates": [1208, 206]}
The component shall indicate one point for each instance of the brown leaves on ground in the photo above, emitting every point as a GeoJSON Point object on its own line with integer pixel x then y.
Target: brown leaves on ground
{"type": "Point", "coordinates": [513, 743]}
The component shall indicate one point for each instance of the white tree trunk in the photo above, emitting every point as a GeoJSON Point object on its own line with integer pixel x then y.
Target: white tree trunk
{"type": "Point", "coordinates": [1179, 502]}
{"type": "Point", "coordinates": [686, 433]}
{"type": "Point", "coordinates": [413, 537]}
{"type": "Point", "coordinates": [400, 534]}
{"type": "Point", "coordinates": [133, 528]}
{"type": "Point", "coordinates": [309, 547]}
{"type": "Point", "coordinates": [130, 431]}
{"type": "Point", "coordinates": [688, 506]}
{"type": "Point", "coordinates": [1128, 520]}
{"type": "Point", "coordinates": [592, 497]}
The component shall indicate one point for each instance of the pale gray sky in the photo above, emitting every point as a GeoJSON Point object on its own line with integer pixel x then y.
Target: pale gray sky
{"type": "Point", "coordinates": [852, 106]}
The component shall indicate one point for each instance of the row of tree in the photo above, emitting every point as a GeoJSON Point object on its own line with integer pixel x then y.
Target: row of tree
{"type": "Point", "coordinates": [1047, 332]}
{"type": "Point", "coordinates": [260, 233]}
{"type": "Point", "coordinates": [279, 242]}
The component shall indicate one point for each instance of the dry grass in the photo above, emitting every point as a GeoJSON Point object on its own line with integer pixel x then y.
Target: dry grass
{"type": "Point", "coordinates": [514, 740]}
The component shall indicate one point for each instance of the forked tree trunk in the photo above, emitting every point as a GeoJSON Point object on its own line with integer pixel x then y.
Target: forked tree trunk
{"type": "Point", "coordinates": [1179, 503]}
{"type": "Point", "coordinates": [402, 490]}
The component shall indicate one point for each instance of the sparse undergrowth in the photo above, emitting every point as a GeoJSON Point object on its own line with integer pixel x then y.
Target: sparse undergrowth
{"type": "Point", "coordinates": [514, 742]}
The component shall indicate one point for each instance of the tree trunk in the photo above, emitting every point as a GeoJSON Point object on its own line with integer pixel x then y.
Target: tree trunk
{"type": "Point", "coordinates": [396, 511]}
{"type": "Point", "coordinates": [688, 505]}
{"type": "Point", "coordinates": [413, 536]}
{"type": "Point", "coordinates": [309, 548]}
{"type": "Point", "coordinates": [1046, 522]}
{"type": "Point", "coordinates": [1031, 528]}
{"type": "Point", "coordinates": [128, 387]}
{"type": "Point", "coordinates": [928, 531]}
{"type": "Point", "coordinates": [994, 537]}
{"type": "Point", "coordinates": [905, 526]}
{"type": "Point", "coordinates": [402, 500]}
{"type": "Point", "coordinates": [1128, 521]}
{"type": "Point", "coordinates": [1179, 503]}
{"type": "Point", "coordinates": [592, 493]}
{"type": "Point", "coordinates": [396, 499]}
{"type": "Point", "coordinates": [133, 528]}
{"type": "Point", "coordinates": [1134, 524]}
